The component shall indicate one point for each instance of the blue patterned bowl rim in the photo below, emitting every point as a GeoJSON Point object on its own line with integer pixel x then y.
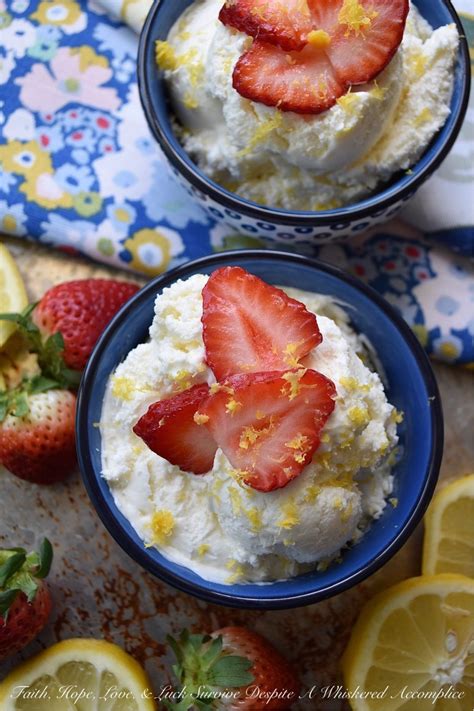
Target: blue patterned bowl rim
{"type": "Point", "coordinates": [398, 192]}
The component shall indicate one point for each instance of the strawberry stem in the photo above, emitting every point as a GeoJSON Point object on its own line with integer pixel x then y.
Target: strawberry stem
{"type": "Point", "coordinates": [21, 572]}
{"type": "Point", "coordinates": [49, 351]}
{"type": "Point", "coordinates": [203, 669]}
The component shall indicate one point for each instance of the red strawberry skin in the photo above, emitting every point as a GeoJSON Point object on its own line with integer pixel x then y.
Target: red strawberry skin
{"type": "Point", "coordinates": [24, 622]}
{"type": "Point", "coordinates": [282, 22]}
{"type": "Point", "coordinates": [80, 310]}
{"type": "Point", "coordinates": [303, 82]}
{"type": "Point", "coordinates": [168, 428]}
{"type": "Point", "coordinates": [251, 326]}
{"type": "Point", "coordinates": [268, 424]}
{"type": "Point", "coordinates": [273, 674]}
{"type": "Point", "coordinates": [40, 447]}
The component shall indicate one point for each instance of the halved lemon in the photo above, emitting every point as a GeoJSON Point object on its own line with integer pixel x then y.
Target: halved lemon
{"type": "Point", "coordinates": [412, 648]}
{"type": "Point", "coordinates": [13, 297]}
{"type": "Point", "coordinates": [78, 675]}
{"type": "Point", "coordinates": [449, 530]}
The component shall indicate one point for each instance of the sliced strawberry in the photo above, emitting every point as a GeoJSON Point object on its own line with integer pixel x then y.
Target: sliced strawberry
{"type": "Point", "coordinates": [268, 424]}
{"type": "Point", "coordinates": [303, 82]}
{"type": "Point", "coordinates": [169, 429]}
{"type": "Point", "coordinates": [250, 326]}
{"type": "Point", "coordinates": [364, 34]}
{"type": "Point", "coordinates": [282, 22]}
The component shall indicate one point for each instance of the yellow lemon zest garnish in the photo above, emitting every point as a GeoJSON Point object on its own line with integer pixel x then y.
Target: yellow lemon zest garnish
{"type": "Point", "coordinates": [235, 500]}
{"type": "Point", "coordinates": [348, 102]}
{"type": "Point", "coordinates": [261, 132]}
{"type": "Point", "coordinates": [232, 406]}
{"type": "Point", "coordinates": [249, 436]}
{"type": "Point", "coordinates": [200, 419]}
{"type": "Point", "coordinates": [355, 17]}
{"type": "Point", "coordinates": [289, 352]}
{"type": "Point", "coordinates": [190, 101]}
{"type": "Point", "coordinates": [319, 38]}
{"type": "Point", "coordinates": [165, 56]}
{"type": "Point", "coordinates": [237, 568]}
{"type": "Point", "coordinates": [423, 117]}
{"type": "Point", "coordinates": [378, 92]}
{"type": "Point", "coordinates": [202, 549]}
{"type": "Point", "coordinates": [123, 388]}
{"type": "Point", "coordinates": [255, 518]}
{"type": "Point", "coordinates": [168, 60]}
{"type": "Point", "coordinates": [161, 525]}
{"type": "Point", "coordinates": [397, 416]}
{"type": "Point", "coordinates": [301, 444]}
{"type": "Point", "coordinates": [359, 416]}
{"type": "Point", "coordinates": [312, 493]}
{"type": "Point", "coordinates": [292, 386]}
{"type": "Point", "coordinates": [290, 515]}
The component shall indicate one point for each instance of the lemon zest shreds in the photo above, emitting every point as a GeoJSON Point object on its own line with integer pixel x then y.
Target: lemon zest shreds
{"type": "Point", "coordinates": [355, 17]}
{"type": "Point", "coordinates": [161, 525]}
{"type": "Point", "coordinates": [319, 38]}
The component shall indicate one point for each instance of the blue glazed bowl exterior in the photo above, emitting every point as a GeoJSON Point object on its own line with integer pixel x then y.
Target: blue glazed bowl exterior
{"type": "Point", "coordinates": [280, 227]}
{"type": "Point", "coordinates": [410, 386]}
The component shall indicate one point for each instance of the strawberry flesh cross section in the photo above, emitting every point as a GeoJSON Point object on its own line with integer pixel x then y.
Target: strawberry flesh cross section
{"type": "Point", "coordinates": [308, 53]}
{"type": "Point", "coordinates": [268, 425]}
{"type": "Point", "coordinates": [251, 326]}
{"type": "Point", "coordinates": [169, 429]}
{"type": "Point", "coordinates": [282, 22]}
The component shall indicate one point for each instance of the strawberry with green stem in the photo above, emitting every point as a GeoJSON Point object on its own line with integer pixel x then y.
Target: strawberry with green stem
{"type": "Point", "coordinates": [25, 602]}
{"type": "Point", "coordinates": [234, 668]}
{"type": "Point", "coordinates": [37, 413]}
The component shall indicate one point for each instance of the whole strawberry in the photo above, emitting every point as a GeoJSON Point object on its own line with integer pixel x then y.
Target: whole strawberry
{"type": "Point", "coordinates": [80, 310]}
{"type": "Point", "coordinates": [25, 602]}
{"type": "Point", "coordinates": [37, 432]}
{"type": "Point", "coordinates": [233, 669]}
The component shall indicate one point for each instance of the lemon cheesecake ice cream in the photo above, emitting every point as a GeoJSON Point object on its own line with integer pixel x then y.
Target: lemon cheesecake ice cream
{"type": "Point", "coordinates": [304, 161]}
{"type": "Point", "coordinates": [217, 524]}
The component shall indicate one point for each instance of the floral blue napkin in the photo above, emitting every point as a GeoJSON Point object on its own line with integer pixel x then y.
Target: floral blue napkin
{"type": "Point", "coordinates": [80, 171]}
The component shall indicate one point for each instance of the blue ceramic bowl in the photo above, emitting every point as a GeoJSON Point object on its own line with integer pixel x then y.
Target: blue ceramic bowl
{"type": "Point", "coordinates": [411, 387]}
{"type": "Point", "coordinates": [276, 226]}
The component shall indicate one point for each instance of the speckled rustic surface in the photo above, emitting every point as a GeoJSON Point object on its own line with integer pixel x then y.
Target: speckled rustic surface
{"type": "Point", "coordinates": [100, 592]}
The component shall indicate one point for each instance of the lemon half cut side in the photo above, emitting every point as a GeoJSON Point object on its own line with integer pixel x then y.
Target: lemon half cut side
{"type": "Point", "coordinates": [78, 675]}
{"type": "Point", "coordinates": [13, 297]}
{"type": "Point", "coordinates": [448, 545]}
{"type": "Point", "coordinates": [412, 648]}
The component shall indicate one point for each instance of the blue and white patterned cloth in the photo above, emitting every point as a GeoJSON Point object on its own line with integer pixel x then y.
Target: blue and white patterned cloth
{"type": "Point", "coordinates": [80, 171]}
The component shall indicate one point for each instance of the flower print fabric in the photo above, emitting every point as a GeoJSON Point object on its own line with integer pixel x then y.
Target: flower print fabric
{"type": "Point", "coordinates": [80, 171]}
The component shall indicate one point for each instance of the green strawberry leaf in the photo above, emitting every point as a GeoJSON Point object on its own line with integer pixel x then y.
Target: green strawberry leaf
{"type": "Point", "coordinates": [231, 671]}
{"type": "Point", "coordinates": [40, 384]}
{"type": "Point", "coordinates": [24, 581]}
{"type": "Point", "coordinates": [45, 559]}
{"type": "Point", "coordinates": [213, 652]}
{"type": "Point", "coordinates": [49, 351]}
{"type": "Point", "coordinates": [11, 566]}
{"type": "Point", "coordinates": [20, 406]}
{"type": "Point", "coordinates": [6, 601]}
{"type": "Point", "coordinates": [4, 400]}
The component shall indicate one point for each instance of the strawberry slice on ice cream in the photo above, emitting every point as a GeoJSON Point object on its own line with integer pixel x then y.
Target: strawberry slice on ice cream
{"type": "Point", "coordinates": [251, 326]}
{"type": "Point", "coordinates": [170, 430]}
{"type": "Point", "coordinates": [306, 65]}
{"type": "Point", "coordinates": [269, 424]}
{"type": "Point", "coordinates": [282, 22]}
